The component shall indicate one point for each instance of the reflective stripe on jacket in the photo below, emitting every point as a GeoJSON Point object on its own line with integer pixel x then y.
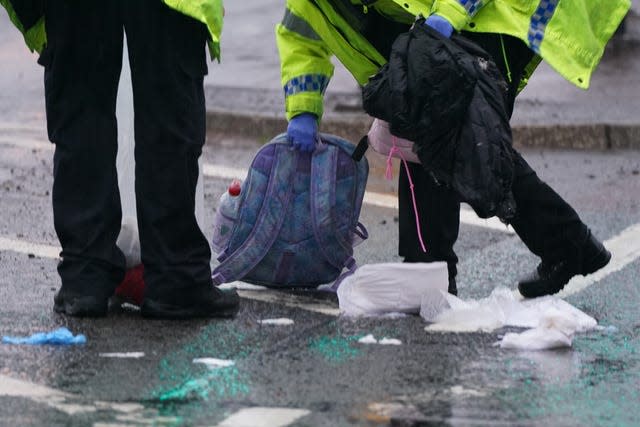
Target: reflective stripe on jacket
{"type": "Point", "coordinates": [209, 12]}
{"type": "Point", "coordinates": [570, 35]}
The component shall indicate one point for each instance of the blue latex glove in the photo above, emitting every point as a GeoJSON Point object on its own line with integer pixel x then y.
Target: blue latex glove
{"type": "Point", "coordinates": [303, 132]}
{"type": "Point", "coordinates": [60, 336]}
{"type": "Point", "coordinates": [440, 24]}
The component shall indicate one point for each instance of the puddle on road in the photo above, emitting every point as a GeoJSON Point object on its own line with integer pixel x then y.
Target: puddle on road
{"type": "Point", "coordinates": [598, 384]}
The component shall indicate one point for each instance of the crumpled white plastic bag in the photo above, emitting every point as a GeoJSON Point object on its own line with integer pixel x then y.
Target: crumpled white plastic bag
{"type": "Point", "coordinates": [555, 330]}
{"type": "Point", "coordinates": [554, 321]}
{"type": "Point", "coordinates": [378, 289]}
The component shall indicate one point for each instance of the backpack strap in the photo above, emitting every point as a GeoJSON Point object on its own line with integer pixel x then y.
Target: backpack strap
{"type": "Point", "coordinates": [324, 166]}
{"type": "Point", "coordinates": [270, 218]}
{"type": "Point", "coordinates": [360, 149]}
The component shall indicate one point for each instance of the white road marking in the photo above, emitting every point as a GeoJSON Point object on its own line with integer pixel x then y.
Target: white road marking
{"type": "Point", "coordinates": [20, 246]}
{"type": "Point", "coordinates": [213, 363]}
{"type": "Point", "coordinates": [51, 397]}
{"type": "Point", "coordinates": [67, 402]}
{"type": "Point", "coordinates": [136, 413]}
{"type": "Point", "coordinates": [289, 300]}
{"type": "Point", "coordinates": [282, 321]}
{"type": "Point", "coordinates": [223, 172]}
{"type": "Point", "coordinates": [12, 128]}
{"type": "Point", "coordinates": [128, 355]}
{"type": "Point", "coordinates": [467, 216]}
{"type": "Point", "coordinates": [32, 143]}
{"type": "Point", "coordinates": [264, 417]}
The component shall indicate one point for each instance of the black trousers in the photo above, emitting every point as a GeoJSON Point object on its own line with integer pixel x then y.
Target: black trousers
{"type": "Point", "coordinates": [82, 63]}
{"type": "Point", "coordinates": [547, 225]}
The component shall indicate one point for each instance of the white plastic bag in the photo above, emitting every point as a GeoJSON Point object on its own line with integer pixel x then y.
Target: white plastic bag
{"type": "Point", "coordinates": [555, 330]}
{"type": "Point", "coordinates": [382, 141]}
{"type": "Point", "coordinates": [377, 289]}
{"type": "Point", "coordinates": [554, 321]}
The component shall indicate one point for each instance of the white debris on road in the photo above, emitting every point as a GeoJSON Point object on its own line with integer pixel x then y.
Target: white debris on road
{"type": "Point", "coordinates": [370, 339]}
{"type": "Point", "coordinates": [553, 321]}
{"type": "Point", "coordinates": [128, 355]}
{"type": "Point", "coordinates": [214, 363]}
{"type": "Point", "coordinates": [282, 321]}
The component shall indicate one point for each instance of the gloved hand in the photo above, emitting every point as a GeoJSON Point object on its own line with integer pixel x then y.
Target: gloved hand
{"type": "Point", "coordinates": [303, 132]}
{"type": "Point", "coordinates": [440, 24]}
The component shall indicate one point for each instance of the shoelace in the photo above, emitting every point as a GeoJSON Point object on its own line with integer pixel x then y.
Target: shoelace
{"type": "Point", "coordinates": [388, 174]}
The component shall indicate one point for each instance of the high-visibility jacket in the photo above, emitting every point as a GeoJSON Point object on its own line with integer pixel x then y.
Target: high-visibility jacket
{"type": "Point", "coordinates": [570, 35]}
{"type": "Point", "coordinates": [209, 12]}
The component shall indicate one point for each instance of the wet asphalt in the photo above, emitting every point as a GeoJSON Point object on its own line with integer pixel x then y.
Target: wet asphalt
{"type": "Point", "coordinates": [316, 364]}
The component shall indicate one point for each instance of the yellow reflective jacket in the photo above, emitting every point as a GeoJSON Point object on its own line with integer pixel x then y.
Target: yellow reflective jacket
{"type": "Point", "coordinates": [209, 12]}
{"type": "Point", "coordinates": [570, 35]}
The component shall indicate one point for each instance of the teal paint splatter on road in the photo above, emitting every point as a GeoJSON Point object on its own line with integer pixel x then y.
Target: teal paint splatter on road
{"type": "Point", "coordinates": [335, 349]}
{"type": "Point", "coordinates": [217, 383]}
{"type": "Point", "coordinates": [183, 381]}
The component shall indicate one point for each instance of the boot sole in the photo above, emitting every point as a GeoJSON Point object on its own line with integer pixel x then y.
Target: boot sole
{"type": "Point", "coordinates": [155, 310]}
{"type": "Point", "coordinates": [596, 264]}
{"type": "Point", "coordinates": [82, 307]}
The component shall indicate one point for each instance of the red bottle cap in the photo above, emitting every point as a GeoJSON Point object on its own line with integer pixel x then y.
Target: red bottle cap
{"type": "Point", "coordinates": [234, 188]}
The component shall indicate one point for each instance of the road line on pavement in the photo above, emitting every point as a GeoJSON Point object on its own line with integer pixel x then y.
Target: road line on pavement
{"type": "Point", "coordinates": [67, 403]}
{"type": "Point", "coordinates": [264, 417]}
{"type": "Point", "coordinates": [32, 143]}
{"type": "Point", "coordinates": [37, 249]}
{"type": "Point", "coordinates": [8, 127]}
{"type": "Point", "coordinates": [288, 300]}
{"type": "Point", "coordinates": [56, 399]}
{"type": "Point", "coordinates": [467, 216]}
{"type": "Point", "coordinates": [624, 248]}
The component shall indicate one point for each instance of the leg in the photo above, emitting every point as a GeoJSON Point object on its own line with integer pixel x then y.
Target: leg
{"type": "Point", "coordinates": [547, 224]}
{"type": "Point", "coordinates": [82, 66]}
{"type": "Point", "coordinates": [552, 230]}
{"type": "Point", "coordinates": [439, 212]}
{"type": "Point", "coordinates": [168, 64]}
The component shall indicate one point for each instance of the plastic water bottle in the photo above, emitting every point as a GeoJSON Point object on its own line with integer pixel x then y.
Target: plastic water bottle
{"type": "Point", "coordinates": [226, 215]}
{"type": "Point", "coordinates": [230, 199]}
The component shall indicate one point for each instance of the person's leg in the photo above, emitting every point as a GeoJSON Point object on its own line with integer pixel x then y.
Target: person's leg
{"type": "Point", "coordinates": [439, 213]}
{"type": "Point", "coordinates": [553, 231]}
{"type": "Point", "coordinates": [82, 63]}
{"type": "Point", "coordinates": [545, 222]}
{"type": "Point", "coordinates": [168, 64]}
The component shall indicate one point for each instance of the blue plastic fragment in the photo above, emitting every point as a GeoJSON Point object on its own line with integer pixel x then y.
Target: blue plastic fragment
{"type": "Point", "coordinates": [61, 336]}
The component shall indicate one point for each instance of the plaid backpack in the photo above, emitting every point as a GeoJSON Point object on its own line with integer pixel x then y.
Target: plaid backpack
{"type": "Point", "coordinates": [297, 220]}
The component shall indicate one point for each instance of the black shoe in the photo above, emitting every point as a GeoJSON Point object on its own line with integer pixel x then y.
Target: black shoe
{"type": "Point", "coordinates": [550, 279]}
{"type": "Point", "coordinates": [209, 302]}
{"type": "Point", "coordinates": [80, 306]}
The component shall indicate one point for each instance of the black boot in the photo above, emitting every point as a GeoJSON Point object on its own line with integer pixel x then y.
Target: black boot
{"type": "Point", "coordinates": [80, 305]}
{"type": "Point", "coordinates": [549, 279]}
{"type": "Point", "coordinates": [207, 302]}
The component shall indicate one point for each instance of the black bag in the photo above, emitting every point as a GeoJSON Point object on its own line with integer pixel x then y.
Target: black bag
{"type": "Point", "coordinates": [448, 96]}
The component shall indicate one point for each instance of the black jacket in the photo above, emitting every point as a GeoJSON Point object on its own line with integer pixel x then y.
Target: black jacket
{"type": "Point", "coordinates": [448, 96]}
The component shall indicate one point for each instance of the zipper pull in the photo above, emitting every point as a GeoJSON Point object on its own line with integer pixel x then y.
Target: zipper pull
{"type": "Point", "coordinates": [365, 9]}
